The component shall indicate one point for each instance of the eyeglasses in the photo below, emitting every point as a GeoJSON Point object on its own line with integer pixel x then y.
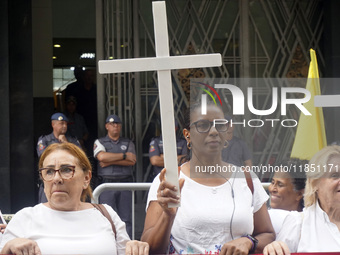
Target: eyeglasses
{"type": "Point", "coordinates": [204, 126]}
{"type": "Point", "coordinates": [65, 172]}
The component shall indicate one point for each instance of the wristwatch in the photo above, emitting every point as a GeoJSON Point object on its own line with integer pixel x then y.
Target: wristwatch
{"type": "Point", "coordinates": [124, 156]}
{"type": "Point", "coordinates": [254, 241]}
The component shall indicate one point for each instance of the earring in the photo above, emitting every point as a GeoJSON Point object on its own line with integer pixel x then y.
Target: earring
{"type": "Point", "coordinates": [226, 144]}
{"type": "Point", "coordinates": [189, 145]}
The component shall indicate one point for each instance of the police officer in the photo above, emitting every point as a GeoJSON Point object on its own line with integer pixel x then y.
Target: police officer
{"type": "Point", "coordinates": [116, 156]}
{"type": "Point", "coordinates": [58, 135]}
{"type": "Point", "coordinates": [156, 151]}
{"type": "Point", "coordinates": [59, 125]}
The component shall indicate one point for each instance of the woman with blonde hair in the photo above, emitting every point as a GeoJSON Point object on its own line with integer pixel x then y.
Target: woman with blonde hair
{"type": "Point", "coordinates": [317, 228]}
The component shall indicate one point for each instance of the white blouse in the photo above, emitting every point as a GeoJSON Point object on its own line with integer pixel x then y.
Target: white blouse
{"type": "Point", "coordinates": [310, 231]}
{"type": "Point", "coordinates": [76, 232]}
{"type": "Point", "coordinates": [277, 217]}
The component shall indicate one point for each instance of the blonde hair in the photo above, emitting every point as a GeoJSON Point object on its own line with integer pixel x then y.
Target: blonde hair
{"type": "Point", "coordinates": [320, 164]}
{"type": "Point", "coordinates": [76, 152]}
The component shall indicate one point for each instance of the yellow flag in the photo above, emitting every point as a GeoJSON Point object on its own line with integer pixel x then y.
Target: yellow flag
{"type": "Point", "coordinates": [310, 135]}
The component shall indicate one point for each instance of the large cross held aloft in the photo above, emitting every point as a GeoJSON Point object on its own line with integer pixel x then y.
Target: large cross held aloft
{"type": "Point", "coordinates": [163, 64]}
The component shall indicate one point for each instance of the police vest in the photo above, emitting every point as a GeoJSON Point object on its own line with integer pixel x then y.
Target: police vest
{"type": "Point", "coordinates": [115, 171]}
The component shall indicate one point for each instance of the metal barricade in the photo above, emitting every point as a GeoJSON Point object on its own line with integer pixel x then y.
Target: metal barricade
{"type": "Point", "coordinates": [133, 186]}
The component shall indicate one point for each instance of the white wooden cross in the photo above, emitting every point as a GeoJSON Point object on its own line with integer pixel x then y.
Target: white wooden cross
{"type": "Point", "coordinates": [163, 64]}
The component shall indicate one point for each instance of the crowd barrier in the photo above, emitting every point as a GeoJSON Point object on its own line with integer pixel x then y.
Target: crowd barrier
{"type": "Point", "coordinates": [133, 186]}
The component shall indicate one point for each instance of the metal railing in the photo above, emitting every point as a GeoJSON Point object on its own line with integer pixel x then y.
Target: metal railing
{"type": "Point", "coordinates": [122, 186]}
{"type": "Point", "coordinates": [133, 186]}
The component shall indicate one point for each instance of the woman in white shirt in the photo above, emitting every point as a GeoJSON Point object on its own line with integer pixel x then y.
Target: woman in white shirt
{"type": "Point", "coordinates": [317, 228]}
{"type": "Point", "coordinates": [286, 191]}
{"type": "Point", "coordinates": [218, 212]}
{"type": "Point", "coordinates": [288, 185]}
{"type": "Point", "coordinates": [66, 224]}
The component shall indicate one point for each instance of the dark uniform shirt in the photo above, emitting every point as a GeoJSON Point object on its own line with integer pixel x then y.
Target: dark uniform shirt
{"type": "Point", "coordinates": [156, 149]}
{"type": "Point", "coordinates": [46, 140]}
{"type": "Point", "coordinates": [122, 145]}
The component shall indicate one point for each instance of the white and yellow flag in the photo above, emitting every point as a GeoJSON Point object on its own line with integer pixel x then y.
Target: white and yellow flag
{"type": "Point", "coordinates": [310, 135]}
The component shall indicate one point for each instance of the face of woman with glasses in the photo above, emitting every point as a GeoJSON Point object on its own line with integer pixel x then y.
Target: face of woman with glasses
{"type": "Point", "coordinates": [205, 137]}
{"type": "Point", "coordinates": [63, 188]}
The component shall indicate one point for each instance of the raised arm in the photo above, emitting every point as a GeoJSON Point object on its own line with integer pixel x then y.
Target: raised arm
{"type": "Point", "coordinates": [159, 218]}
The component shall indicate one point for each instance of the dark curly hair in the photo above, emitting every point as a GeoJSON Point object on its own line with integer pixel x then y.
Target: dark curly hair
{"type": "Point", "coordinates": [296, 171]}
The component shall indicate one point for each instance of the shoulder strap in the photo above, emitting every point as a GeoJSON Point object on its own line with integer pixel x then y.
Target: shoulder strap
{"type": "Point", "coordinates": [249, 181]}
{"type": "Point", "coordinates": [106, 214]}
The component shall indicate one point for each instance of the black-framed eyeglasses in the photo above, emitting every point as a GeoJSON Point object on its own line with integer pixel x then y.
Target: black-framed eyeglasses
{"type": "Point", "coordinates": [66, 172]}
{"type": "Point", "coordinates": [204, 126]}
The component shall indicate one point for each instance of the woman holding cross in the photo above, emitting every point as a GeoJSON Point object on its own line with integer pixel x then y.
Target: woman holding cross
{"type": "Point", "coordinates": [221, 211]}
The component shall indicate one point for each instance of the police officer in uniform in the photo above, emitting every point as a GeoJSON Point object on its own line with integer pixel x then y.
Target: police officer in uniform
{"type": "Point", "coordinates": [59, 125]}
{"type": "Point", "coordinates": [58, 135]}
{"type": "Point", "coordinates": [116, 156]}
{"type": "Point", "coordinates": [156, 152]}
